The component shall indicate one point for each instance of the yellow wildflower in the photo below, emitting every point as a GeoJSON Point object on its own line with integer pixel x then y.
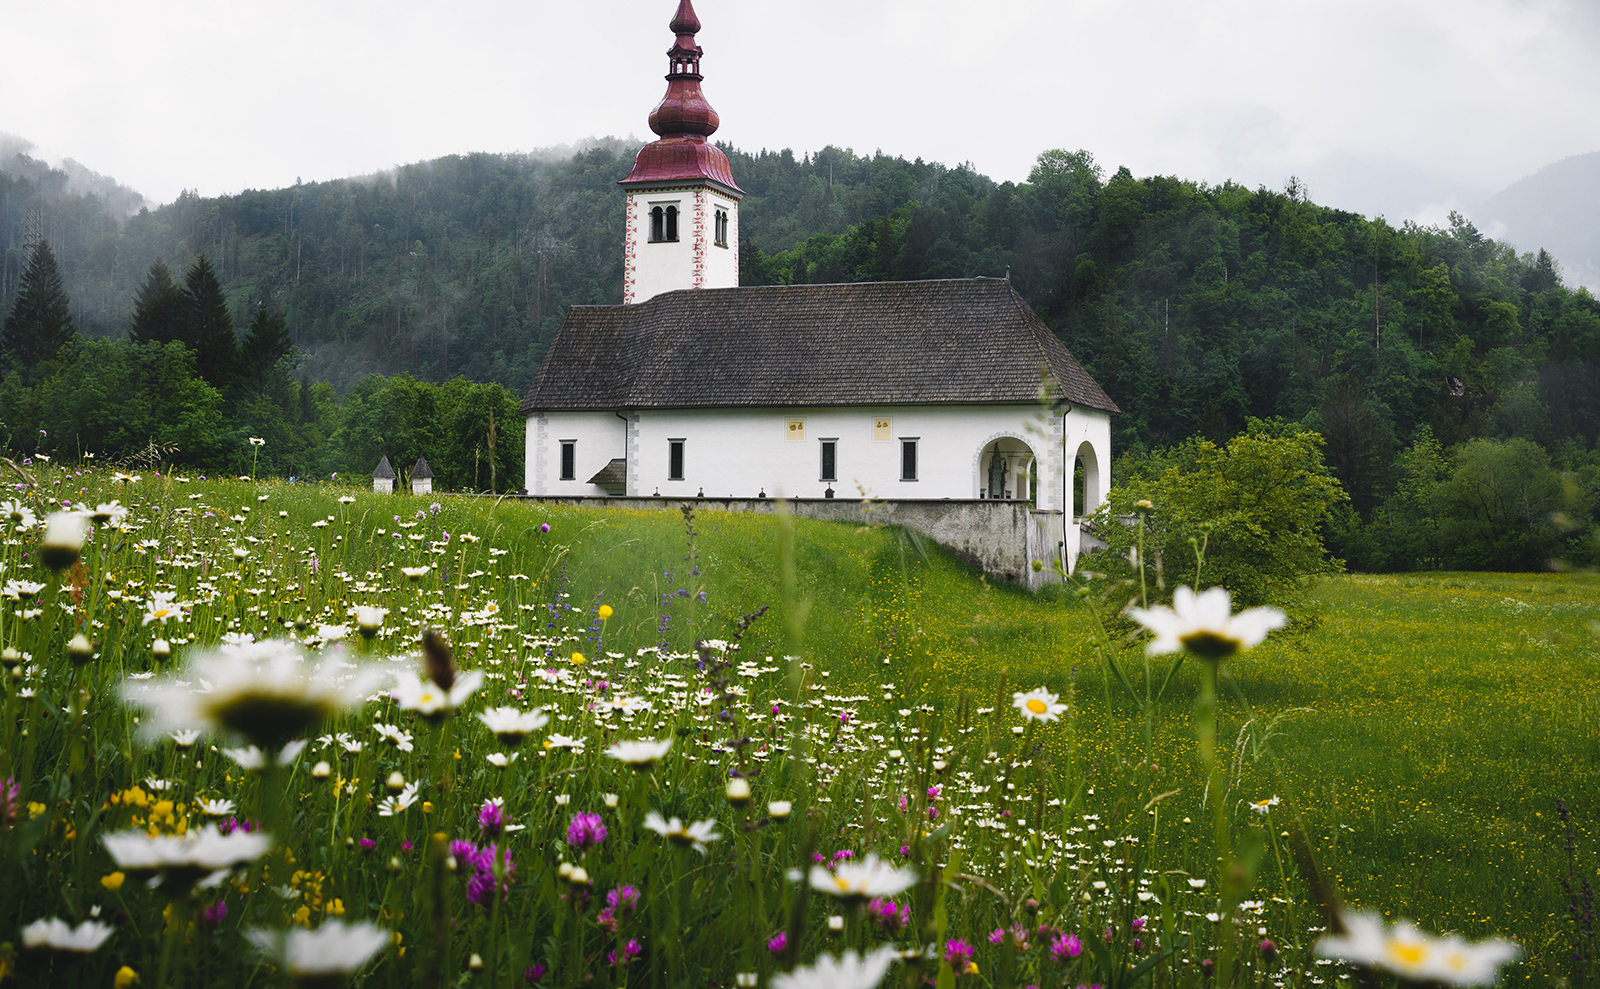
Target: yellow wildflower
{"type": "Point", "coordinates": [125, 976]}
{"type": "Point", "coordinates": [113, 882]}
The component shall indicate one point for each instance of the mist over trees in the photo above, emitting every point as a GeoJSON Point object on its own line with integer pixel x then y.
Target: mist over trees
{"type": "Point", "coordinates": [1426, 358]}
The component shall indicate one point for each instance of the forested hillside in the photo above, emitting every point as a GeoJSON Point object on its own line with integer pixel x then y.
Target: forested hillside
{"type": "Point", "coordinates": [1195, 306]}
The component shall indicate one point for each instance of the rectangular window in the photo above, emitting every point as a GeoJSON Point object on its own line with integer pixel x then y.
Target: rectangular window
{"type": "Point", "coordinates": [830, 460]}
{"type": "Point", "coordinates": [908, 459]}
{"type": "Point", "coordinates": [880, 429]}
{"type": "Point", "coordinates": [674, 460]}
{"type": "Point", "coordinates": [569, 460]}
{"type": "Point", "coordinates": [796, 431]}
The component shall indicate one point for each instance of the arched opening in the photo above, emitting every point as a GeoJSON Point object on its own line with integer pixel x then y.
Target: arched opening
{"type": "Point", "coordinates": [1006, 471]}
{"type": "Point", "coordinates": [672, 223]}
{"type": "Point", "coordinates": [658, 229]}
{"type": "Point", "coordinates": [1088, 489]}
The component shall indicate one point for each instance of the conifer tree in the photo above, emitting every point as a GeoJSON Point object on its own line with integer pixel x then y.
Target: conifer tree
{"type": "Point", "coordinates": [266, 342]}
{"type": "Point", "coordinates": [214, 342]}
{"type": "Point", "coordinates": [160, 310]}
{"type": "Point", "coordinates": [40, 322]}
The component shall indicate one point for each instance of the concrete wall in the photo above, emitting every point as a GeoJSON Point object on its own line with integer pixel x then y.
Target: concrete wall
{"type": "Point", "coordinates": [1003, 538]}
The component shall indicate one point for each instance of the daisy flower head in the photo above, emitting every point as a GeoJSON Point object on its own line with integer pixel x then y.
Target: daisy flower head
{"type": "Point", "coordinates": [326, 955]}
{"type": "Point", "coordinates": [394, 806]}
{"type": "Point", "coordinates": [370, 619]}
{"type": "Point", "coordinates": [1263, 807]}
{"type": "Point", "coordinates": [1039, 705]}
{"type": "Point", "coordinates": [430, 700]}
{"type": "Point", "coordinates": [108, 513]}
{"type": "Point", "coordinates": [848, 971]}
{"type": "Point", "coordinates": [1403, 950]}
{"type": "Point", "coordinates": [63, 539]}
{"type": "Point", "coordinates": [862, 880]}
{"type": "Point", "coordinates": [394, 736]}
{"type": "Point", "coordinates": [177, 862]}
{"type": "Point", "coordinates": [511, 725]}
{"type": "Point", "coordinates": [1203, 625]}
{"type": "Point", "coordinates": [696, 835]}
{"type": "Point", "coordinates": [641, 754]}
{"type": "Point", "coordinates": [162, 606]}
{"type": "Point", "coordinates": [267, 692]}
{"type": "Point", "coordinates": [56, 934]}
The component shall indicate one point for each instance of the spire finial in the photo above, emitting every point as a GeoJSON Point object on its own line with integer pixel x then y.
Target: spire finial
{"type": "Point", "coordinates": [684, 110]}
{"type": "Point", "coordinates": [685, 23]}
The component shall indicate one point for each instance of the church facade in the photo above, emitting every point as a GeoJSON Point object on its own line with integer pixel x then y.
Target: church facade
{"type": "Point", "coordinates": [947, 390]}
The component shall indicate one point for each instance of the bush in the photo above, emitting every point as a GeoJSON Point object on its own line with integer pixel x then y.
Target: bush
{"type": "Point", "coordinates": [1248, 516]}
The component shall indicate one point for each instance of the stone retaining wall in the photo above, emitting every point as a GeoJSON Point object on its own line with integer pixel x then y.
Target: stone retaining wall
{"type": "Point", "coordinates": [1003, 538]}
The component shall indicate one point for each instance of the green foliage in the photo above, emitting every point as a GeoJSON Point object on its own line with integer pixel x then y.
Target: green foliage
{"type": "Point", "coordinates": [161, 313]}
{"type": "Point", "coordinates": [210, 324]}
{"type": "Point", "coordinates": [40, 322]}
{"type": "Point", "coordinates": [1248, 516]}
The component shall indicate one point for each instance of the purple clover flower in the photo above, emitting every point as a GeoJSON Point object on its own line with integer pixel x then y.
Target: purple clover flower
{"type": "Point", "coordinates": [492, 818]}
{"type": "Point", "coordinates": [585, 831]}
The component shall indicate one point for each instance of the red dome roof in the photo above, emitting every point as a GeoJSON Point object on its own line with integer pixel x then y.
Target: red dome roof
{"type": "Point", "coordinates": [682, 158]}
{"type": "Point", "coordinates": [683, 118]}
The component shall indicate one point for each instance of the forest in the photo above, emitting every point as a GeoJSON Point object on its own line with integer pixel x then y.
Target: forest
{"type": "Point", "coordinates": [1455, 382]}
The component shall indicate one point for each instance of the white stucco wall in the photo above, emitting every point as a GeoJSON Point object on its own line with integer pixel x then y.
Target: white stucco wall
{"type": "Point", "coordinates": [743, 452]}
{"type": "Point", "coordinates": [598, 438]}
{"type": "Point", "coordinates": [693, 260]}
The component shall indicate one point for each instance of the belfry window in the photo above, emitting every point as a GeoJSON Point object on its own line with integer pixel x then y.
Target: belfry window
{"type": "Point", "coordinates": [722, 228]}
{"type": "Point", "coordinates": [663, 224]}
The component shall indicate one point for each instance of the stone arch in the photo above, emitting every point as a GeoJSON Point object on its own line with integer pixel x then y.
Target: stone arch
{"type": "Point", "coordinates": [1022, 466]}
{"type": "Point", "coordinates": [1088, 480]}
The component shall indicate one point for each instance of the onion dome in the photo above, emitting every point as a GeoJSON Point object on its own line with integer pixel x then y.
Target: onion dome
{"type": "Point", "coordinates": [683, 119]}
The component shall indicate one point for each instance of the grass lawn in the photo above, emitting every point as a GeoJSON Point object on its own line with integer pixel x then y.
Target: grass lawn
{"type": "Point", "coordinates": [1423, 731]}
{"type": "Point", "coordinates": [1420, 734]}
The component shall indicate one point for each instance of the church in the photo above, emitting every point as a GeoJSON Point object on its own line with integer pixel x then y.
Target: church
{"type": "Point", "coordinates": [929, 391]}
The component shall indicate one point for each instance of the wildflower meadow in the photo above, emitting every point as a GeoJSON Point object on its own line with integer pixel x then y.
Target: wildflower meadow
{"type": "Point", "coordinates": [259, 734]}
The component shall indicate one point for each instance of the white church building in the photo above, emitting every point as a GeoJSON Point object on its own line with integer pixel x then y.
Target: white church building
{"type": "Point", "coordinates": [930, 391]}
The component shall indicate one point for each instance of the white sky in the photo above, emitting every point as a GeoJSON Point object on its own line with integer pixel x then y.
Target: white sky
{"type": "Point", "coordinates": [1404, 107]}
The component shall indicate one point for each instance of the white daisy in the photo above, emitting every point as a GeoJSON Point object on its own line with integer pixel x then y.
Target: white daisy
{"type": "Point", "coordinates": [640, 754]}
{"type": "Point", "coordinates": [848, 971]}
{"type": "Point", "coordinates": [429, 699]}
{"type": "Point", "coordinates": [394, 736]}
{"type": "Point", "coordinates": [331, 952]}
{"type": "Point", "coordinates": [862, 880]}
{"type": "Point", "coordinates": [57, 935]}
{"type": "Point", "coordinates": [696, 835]}
{"type": "Point", "coordinates": [1413, 955]}
{"type": "Point", "coordinates": [511, 726]}
{"type": "Point", "coordinates": [178, 862]}
{"type": "Point", "coordinates": [395, 805]}
{"type": "Point", "coordinates": [1039, 705]}
{"type": "Point", "coordinates": [266, 691]}
{"type": "Point", "coordinates": [1202, 625]}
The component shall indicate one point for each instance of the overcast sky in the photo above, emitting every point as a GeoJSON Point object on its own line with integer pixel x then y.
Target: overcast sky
{"type": "Point", "coordinates": [1404, 107]}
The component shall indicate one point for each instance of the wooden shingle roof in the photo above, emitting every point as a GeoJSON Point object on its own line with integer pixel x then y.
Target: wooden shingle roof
{"type": "Point", "coordinates": [964, 341]}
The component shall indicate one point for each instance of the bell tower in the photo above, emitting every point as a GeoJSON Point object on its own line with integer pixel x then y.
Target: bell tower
{"type": "Point", "coordinates": [683, 205]}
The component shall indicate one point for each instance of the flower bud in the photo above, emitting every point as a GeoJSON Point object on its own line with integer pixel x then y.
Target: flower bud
{"type": "Point", "coordinates": [62, 542]}
{"type": "Point", "coordinates": [738, 791]}
{"type": "Point", "coordinates": [322, 772]}
{"type": "Point", "coordinates": [779, 810]}
{"type": "Point", "coordinates": [395, 781]}
{"type": "Point", "coordinates": [79, 650]}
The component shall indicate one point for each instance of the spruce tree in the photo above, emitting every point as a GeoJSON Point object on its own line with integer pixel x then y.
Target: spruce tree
{"type": "Point", "coordinates": [216, 347]}
{"type": "Point", "coordinates": [40, 322]}
{"type": "Point", "coordinates": [266, 342]}
{"type": "Point", "coordinates": [160, 310]}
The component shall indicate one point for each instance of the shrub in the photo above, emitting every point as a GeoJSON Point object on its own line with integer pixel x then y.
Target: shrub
{"type": "Point", "coordinates": [1248, 516]}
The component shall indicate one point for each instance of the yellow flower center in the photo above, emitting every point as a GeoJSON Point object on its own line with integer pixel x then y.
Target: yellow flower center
{"type": "Point", "coordinates": [1037, 706]}
{"type": "Point", "coordinates": [1407, 954]}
